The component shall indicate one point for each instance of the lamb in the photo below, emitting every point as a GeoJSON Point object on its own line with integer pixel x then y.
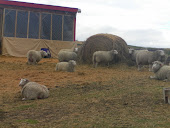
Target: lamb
{"type": "Point", "coordinates": [134, 52]}
{"type": "Point", "coordinates": [66, 66]}
{"type": "Point", "coordinates": [32, 90]}
{"type": "Point", "coordinates": [161, 71]}
{"type": "Point", "coordinates": [147, 57]}
{"type": "Point", "coordinates": [35, 56]}
{"type": "Point", "coordinates": [103, 56]}
{"type": "Point", "coordinates": [65, 56]}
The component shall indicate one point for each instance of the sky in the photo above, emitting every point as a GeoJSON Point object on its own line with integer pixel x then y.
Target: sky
{"type": "Point", "coordinates": [143, 23]}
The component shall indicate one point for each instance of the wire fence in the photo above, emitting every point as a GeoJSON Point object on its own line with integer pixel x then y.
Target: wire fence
{"type": "Point", "coordinates": [37, 25]}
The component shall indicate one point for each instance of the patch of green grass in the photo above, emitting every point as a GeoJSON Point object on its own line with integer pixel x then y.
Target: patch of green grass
{"type": "Point", "coordinates": [29, 121]}
{"type": "Point", "coordinates": [23, 107]}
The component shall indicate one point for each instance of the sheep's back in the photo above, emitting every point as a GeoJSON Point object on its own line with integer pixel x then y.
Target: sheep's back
{"type": "Point", "coordinates": [162, 72]}
{"type": "Point", "coordinates": [142, 57]}
{"type": "Point", "coordinates": [102, 56]}
{"type": "Point", "coordinates": [66, 56]}
{"type": "Point", "coordinates": [62, 66]}
{"type": "Point", "coordinates": [34, 54]}
{"type": "Point", "coordinates": [33, 90]}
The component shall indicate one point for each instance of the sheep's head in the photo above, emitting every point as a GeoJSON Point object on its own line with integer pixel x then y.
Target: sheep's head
{"type": "Point", "coordinates": [23, 82]}
{"type": "Point", "coordinates": [76, 50]}
{"type": "Point", "coordinates": [160, 52]}
{"type": "Point", "coordinates": [43, 53]}
{"type": "Point", "coordinates": [114, 52]}
{"type": "Point", "coordinates": [131, 51]}
{"type": "Point", "coordinates": [72, 62]}
{"type": "Point", "coordinates": [156, 66]}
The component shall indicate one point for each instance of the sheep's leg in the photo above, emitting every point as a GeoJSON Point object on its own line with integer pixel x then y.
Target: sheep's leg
{"type": "Point", "coordinates": [139, 67]}
{"type": "Point", "coordinates": [152, 77]}
{"type": "Point", "coordinates": [28, 62]}
{"type": "Point", "coordinates": [108, 64]}
{"type": "Point", "coordinates": [150, 67]}
{"type": "Point", "coordinates": [96, 64]}
{"type": "Point", "coordinates": [34, 61]}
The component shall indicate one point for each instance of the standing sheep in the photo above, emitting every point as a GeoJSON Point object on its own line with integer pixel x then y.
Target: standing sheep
{"type": "Point", "coordinates": [65, 56]}
{"type": "Point", "coordinates": [35, 56]}
{"type": "Point", "coordinates": [103, 56]}
{"type": "Point", "coordinates": [32, 90]}
{"type": "Point", "coordinates": [133, 53]}
{"type": "Point", "coordinates": [66, 66]}
{"type": "Point", "coordinates": [147, 57]}
{"type": "Point", "coordinates": [161, 71]}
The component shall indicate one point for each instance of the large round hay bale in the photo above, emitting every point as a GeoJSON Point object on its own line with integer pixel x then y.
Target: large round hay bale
{"type": "Point", "coordinates": [103, 42]}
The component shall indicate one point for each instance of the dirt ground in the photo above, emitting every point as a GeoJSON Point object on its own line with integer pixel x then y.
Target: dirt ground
{"type": "Point", "coordinates": [12, 69]}
{"type": "Point", "coordinates": [118, 96]}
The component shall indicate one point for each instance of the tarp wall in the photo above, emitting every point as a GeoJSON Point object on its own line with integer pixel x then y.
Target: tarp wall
{"type": "Point", "coordinates": [19, 47]}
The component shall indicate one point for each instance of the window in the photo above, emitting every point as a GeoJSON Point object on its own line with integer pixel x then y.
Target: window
{"type": "Point", "coordinates": [34, 22]}
{"type": "Point", "coordinates": [41, 25]}
{"type": "Point", "coordinates": [46, 26]}
{"type": "Point", "coordinates": [68, 28]}
{"type": "Point", "coordinates": [9, 25]}
{"type": "Point", "coordinates": [22, 23]}
{"type": "Point", "coordinates": [56, 27]}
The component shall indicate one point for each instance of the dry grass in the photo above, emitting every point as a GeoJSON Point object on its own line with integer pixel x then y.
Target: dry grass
{"type": "Point", "coordinates": [118, 96]}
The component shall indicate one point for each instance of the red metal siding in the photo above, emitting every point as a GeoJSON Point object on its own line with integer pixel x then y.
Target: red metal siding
{"type": "Point", "coordinates": [40, 6]}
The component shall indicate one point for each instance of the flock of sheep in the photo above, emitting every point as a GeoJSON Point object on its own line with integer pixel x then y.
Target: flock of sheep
{"type": "Point", "coordinates": [156, 61]}
{"type": "Point", "coordinates": [67, 62]}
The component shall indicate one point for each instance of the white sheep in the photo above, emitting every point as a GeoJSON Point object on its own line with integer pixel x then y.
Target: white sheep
{"type": "Point", "coordinates": [32, 90]}
{"type": "Point", "coordinates": [147, 57]}
{"type": "Point", "coordinates": [103, 56]}
{"type": "Point", "coordinates": [66, 66]}
{"type": "Point", "coordinates": [161, 71]}
{"type": "Point", "coordinates": [34, 57]}
{"type": "Point", "coordinates": [133, 53]}
{"type": "Point", "coordinates": [65, 56]}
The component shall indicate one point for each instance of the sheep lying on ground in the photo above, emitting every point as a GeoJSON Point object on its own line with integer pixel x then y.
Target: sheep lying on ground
{"type": "Point", "coordinates": [32, 90]}
{"type": "Point", "coordinates": [103, 56]}
{"type": "Point", "coordinates": [35, 56]}
{"type": "Point", "coordinates": [161, 71]}
{"type": "Point", "coordinates": [66, 66]}
{"type": "Point", "coordinates": [65, 56]}
{"type": "Point", "coordinates": [134, 52]}
{"type": "Point", "coordinates": [147, 57]}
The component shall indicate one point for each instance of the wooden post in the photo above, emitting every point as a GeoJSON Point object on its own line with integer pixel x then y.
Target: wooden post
{"type": "Point", "coordinates": [51, 34]}
{"type": "Point", "coordinates": [28, 23]}
{"type": "Point", "coordinates": [16, 23]}
{"type": "Point", "coordinates": [62, 28]}
{"type": "Point", "coordinates": [40, 18]}
{"type": "Point", "coordinates": [166, 95]}
{"type": "Point", "coordinates": [3, 22]}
